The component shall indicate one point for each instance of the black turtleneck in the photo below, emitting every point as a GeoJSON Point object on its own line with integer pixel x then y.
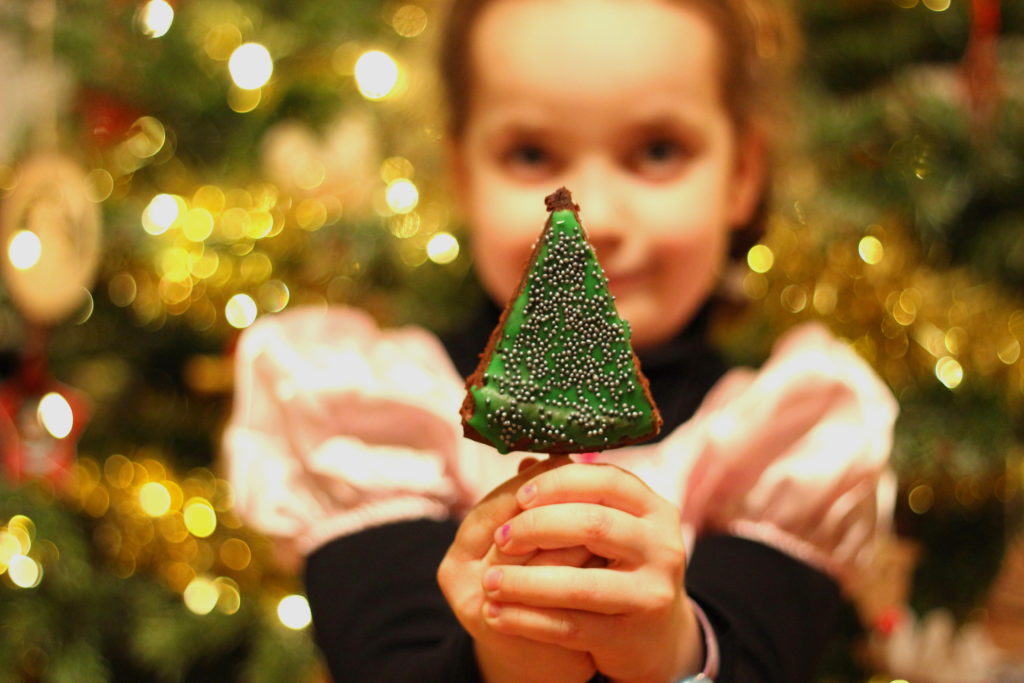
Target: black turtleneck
{"type": "Point", "coordinates": [380, 617]}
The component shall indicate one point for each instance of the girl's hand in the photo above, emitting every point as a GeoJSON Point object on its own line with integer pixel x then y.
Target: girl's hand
{"type": "Point", "coordinates": [504, 657]}
{"type": "Point", "coordinates": [631, 615]}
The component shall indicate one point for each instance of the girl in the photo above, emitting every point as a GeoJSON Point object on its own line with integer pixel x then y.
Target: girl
{"type": "Point", "coordinates": [717, 551]}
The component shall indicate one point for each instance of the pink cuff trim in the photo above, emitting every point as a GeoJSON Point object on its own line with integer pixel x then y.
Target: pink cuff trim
{"type": "Point", "coordinates": [711, 656]}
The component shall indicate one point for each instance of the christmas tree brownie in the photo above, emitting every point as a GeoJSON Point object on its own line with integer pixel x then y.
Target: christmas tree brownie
{"type": "Point", "coordinates": [559, 374]}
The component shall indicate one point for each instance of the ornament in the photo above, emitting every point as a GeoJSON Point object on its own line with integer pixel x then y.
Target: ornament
{"type": "Point", "coordinates": [41, 419]}
{"type": "Point", "coordinates": [31, 92]}
{"type": "Point", "coordinates": [50, 232]}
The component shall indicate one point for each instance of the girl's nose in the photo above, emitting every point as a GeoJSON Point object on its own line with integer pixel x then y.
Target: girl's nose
{"type": "Point", "coordinates": [600, 206]}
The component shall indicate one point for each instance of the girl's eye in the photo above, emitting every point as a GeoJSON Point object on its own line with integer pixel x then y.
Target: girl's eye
{"type": "Point", "coordinates": [529, 162]}
{"type": "Point", "coordinates": [658, 159]}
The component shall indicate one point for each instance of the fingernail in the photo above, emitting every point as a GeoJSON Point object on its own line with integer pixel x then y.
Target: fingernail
{"type": "Point", "coordinates": [503, 534]}
{"type": "Point", "coordinates": [492, 609]}
{"type": "Point", "coordinates": [492, 579]}
{"type": "Point", "coordinates": [527, 493]}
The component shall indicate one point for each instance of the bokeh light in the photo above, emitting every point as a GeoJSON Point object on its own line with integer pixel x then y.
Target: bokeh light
{"type": "Point", "coordinates": [154, 499]}
{"type": "Point", "coordinates": [250, 66]}
{"type": "Point", "coordinates": [402, 195]}
{"type": "Point", "coordinates": [293, 611]}
{"type": "Point", "coordinates": [443, 248]}
{"type": "Point", "coordinates": [24, 571]}
{"type": "Point", "coordinates": [54, 413]}
{"type": "Point", "coordinates": [409, 21]}
{"type": "Point", "coordinates": [376, 74]}
{"type": "Point", "coordinates": [156, 18]}
{"type": "Point", "coordinates": [24, 249]}
{"type": "Point", "coordinates": [760, 258]}
{"type": "Point", "coordinates": [160, 213]}
{"type": "Point", "coordinates": [949, 371]}
{"type": "Point", "coordinates": [200, 517]}
{"type": "Point", "coordinates": [240, 311]}
{"type": "Point", "coordinates": [201, 595]}
{"type": "Point", "coordinates": [870, 250]}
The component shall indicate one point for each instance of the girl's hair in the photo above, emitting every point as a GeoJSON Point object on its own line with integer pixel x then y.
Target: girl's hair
{"type": "Point", "coordinates": [759, 42]}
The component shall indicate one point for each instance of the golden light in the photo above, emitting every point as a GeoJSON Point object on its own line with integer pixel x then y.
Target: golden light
{"type": "Point", "coordinates": [293, 611]}
{"type": "Point", "coordinates": [24, 571]}
{"type": "Point", "coordinates": [240, 311]}
{"type": "Point", "coordinates": [870, 250]}
{"type": "Point", "coordinates": [200, 518]}
{"type": "Point", "coordinates": [54, 413]}
{"type": "Point", "coordinates": [250, 66]}
{"type": "Point", "coordinates": [937, 5]}
{"type": "Point", "coordinates": [235, 553]}
{"type": "Point", "coordinates": [201, 595]}
{"type": "Point", "coordinates": [24, 249]}
{"type": "Point", "coordinates": [147, 137]}
{"type": "Point", "coordinates": [402, 195]}
{"type": "Point", "coordinates": [409, 21]}
{"type": "Point", "coordinates": [156, 17]}
{"type": "Point", "coordinates": [949, 371]}
{"type": "Point", "coordinates": [274, 296]}
{"type": "Point", "coordinates": [154, 499]}
{"type": "Point", "coordinates": [443, 248]}
{"type": "Point", "coordinates": [376, 74]}
{"type": "Point", "coordinates": [197, 225]}
{"type": "Point", "coordinates": [160, 213]}
{"type": "Point", "coordinates": [244, 101]}
{"type": "Point", "coordinates": [10, 547]}
{"type": "Point", "coordinates": [1009, 351]}
{"type": "Point", "coordinates": [760, 258]}
{"type": "Point", "coordinates": [99, 184]}
{"type": "Point", "coordinates": [229, 598]}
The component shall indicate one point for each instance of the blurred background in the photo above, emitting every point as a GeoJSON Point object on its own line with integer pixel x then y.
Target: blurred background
{"type": "Point", "coordinates": [172, 170]}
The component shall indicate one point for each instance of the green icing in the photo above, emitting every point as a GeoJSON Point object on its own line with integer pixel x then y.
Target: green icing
{"type": "Point", "coordinates": [562, 375]}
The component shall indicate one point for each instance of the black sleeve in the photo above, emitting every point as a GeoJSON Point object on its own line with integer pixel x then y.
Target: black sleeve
{"type": "Point", "coordinates": [773, 615]}
{"type": "Point", "coordinates": [378, 613]}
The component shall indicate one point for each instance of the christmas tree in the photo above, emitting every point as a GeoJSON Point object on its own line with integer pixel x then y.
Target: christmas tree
{"type": "Point", "coordinates": [171, 171]}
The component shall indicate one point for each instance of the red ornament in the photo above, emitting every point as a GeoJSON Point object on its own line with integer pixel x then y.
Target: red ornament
{"type": "Point", "coordinates": [41, 421]}
{"type": "Point", "coordinates": [106, 119]}
{"type": "Point", "coordinates": [980, 63]}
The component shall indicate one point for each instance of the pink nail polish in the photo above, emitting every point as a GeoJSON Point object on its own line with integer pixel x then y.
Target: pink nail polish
{"type": "Point", "coordinates": [492, 609]}
{"type": "Point", "coordinates": [492, 579]}
{"type": "Point", "coordinates": [503, 534]}
{"type": "Point", "coordinates": [588, 457]}
{"type": "Point", "coordinates": [527, 493]}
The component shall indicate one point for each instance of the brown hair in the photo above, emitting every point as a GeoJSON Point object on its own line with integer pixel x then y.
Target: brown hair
{"type": "Point", "coordinates": [760, 43]}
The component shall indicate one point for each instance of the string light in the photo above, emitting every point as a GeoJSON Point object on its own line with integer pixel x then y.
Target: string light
{"type": "Point", "coordinates": [760, 258]}
{"type": "Point", "coordinates": [24, 572]}
{"type": "Point", "coordinates": [201, 595]}
{"type": "Point", "coordinates": [54, 413]}
{"type": "Point", "coordinates": [161, 212]}
{"type": "Point", "coordinates": [200, 518]}
{"type": "Point", "coordinates": [250, 66]}
{"type": "Point", "coordinates": [156, 17]}
{"type": "Point", "coordinates": [240, 311]}
{"type": "Point", "coordinates": [443, 248]}
{"type": "Point", "coordinates": [870, 250]}
{"type": "Point", "coordinates": [24, 249]}
{"type": "Point", "coordinates": [154, 499]}
{"type": "Point", "coordinates": [376, 74]}
{"type": "Point", "coordinates": [401, 195]}
{"type": "Point", "coordinates": [294, 612]}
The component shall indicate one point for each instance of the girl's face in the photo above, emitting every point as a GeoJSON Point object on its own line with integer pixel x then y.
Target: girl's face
{"type": "Point", "coordinates": [622, 103]}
